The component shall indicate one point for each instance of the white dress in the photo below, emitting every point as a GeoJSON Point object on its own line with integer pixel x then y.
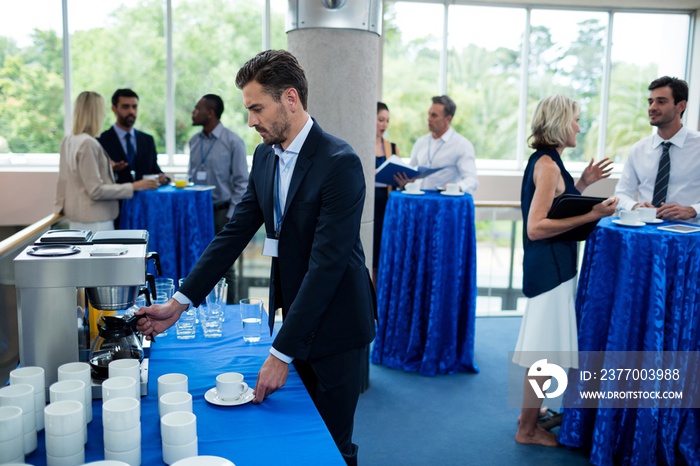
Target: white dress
{"type": "Point", "coordinates": [548, 329]}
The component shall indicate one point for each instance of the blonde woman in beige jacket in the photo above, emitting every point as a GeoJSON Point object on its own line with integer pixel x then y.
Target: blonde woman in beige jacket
{"type": "Point", "coordinates": [86, 193]}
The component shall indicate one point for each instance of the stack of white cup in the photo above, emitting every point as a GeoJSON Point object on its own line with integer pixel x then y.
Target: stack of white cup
{"type": "Point", "coordinates": [121, 420]}
{"type": "Point", "coordinates": [173, 394]}
{"type": "Point", "coordinates": [70, 390]}
{"type": "Point", "coordinates": [11, 438]}
{"type": "Point", "coordinates": [65, 424]}
{"type": "Point", "coordinates": [178, 430]}
{"type": "Point", "coordinates": [21, 395]}
{"type": "Point", "coordinates": [119, 387]}
{"type": "Point", "coordinates": [34, 376]}
{"type": "Point", "coordinates": [130, 368]}
{"type": "Point", "coordinates": [79, 371]}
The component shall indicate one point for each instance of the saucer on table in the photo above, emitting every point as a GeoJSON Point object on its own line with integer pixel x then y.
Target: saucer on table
{"type": "Point", "coordinates": [656, 220]}
{"type": "Point", "coordinates": [213, 397]}
{"type": "Point", "coordinates": [445, 193]}
{"type": "Point", "coordinates": [414, 193]}
{"type": "Point", "coordinates": [625, 224]}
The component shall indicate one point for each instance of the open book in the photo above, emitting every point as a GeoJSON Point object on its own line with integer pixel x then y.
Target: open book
{"type": "Point", "coordinates": [393, 165]}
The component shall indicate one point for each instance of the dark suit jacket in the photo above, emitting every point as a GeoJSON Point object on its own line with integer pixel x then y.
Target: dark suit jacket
{"type": "Point", "coordinates": [145, 162]}
{"type": "Point", "coordinates": [319, 279]}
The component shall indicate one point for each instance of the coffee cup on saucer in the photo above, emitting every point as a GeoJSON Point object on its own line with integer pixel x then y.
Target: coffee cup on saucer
{"type": "Point", "coordinates": [230, 386]}
{"type": "Point", "coordinates": [647, 214]}
{"type": "Point", "coordinates": [413, 187]}
{"type": "Point", "coordinates": [629, 217]}
{"type": "Point", "coordinates": [452, 188]}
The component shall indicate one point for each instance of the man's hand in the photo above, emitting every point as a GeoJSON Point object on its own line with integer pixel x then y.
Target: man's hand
{"type": "Point", "coordinates": [675, 212]}
{"type": "Point", "coordinates": [159, 317]}
{"type": "Point", "coordinates": [272, 375]}
{"type": "Point", "coordinates": [162, 179]}
{"type": "Point", "coordinates": [118, 166]}
{"type": "Point", "coordinates": [401, 179]}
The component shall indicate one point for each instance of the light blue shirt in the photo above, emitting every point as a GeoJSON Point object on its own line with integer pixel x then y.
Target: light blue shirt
{"type": "Point", "coordinates": [122, 137]}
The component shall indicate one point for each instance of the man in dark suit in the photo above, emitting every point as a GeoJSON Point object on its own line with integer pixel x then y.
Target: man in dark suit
{"type": "Point", "coordinates": [307, 187]}
{"type": "Point", "coordinates": [133, 152]}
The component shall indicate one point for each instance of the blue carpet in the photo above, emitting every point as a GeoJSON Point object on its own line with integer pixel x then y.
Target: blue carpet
{"type": "Point", "coordinates": [462, 419]}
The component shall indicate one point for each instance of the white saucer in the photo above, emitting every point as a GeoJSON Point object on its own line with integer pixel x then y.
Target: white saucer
{"type": "Point", "coordinates": [445, 193]}
{"type": "Point", "coordinates": [656, 220]}
{"type": "Point", "coordinates": [623, 224]}
{"type": "Point", "coordinates": [414, 193]}
{"type": "Point", "coordinates": [203, 461]}
{"type": "Point", "coordinates": [212, 397]}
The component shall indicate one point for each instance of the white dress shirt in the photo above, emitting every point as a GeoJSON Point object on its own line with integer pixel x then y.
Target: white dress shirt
{"type": "Point", "coordinates": [638, 177]}
{"type": "Point", "coordinates": [452, 151]}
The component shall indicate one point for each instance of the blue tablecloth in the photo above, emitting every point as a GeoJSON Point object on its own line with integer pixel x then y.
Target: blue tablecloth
{"type": "Point", "coordinates": [285, 429]}
{"type": "Point", "coordinates": [638, 291]}
{"type": "Point", "coordinates": [180, 223]}
{"type": "Point", "coordinates": [426, 289]}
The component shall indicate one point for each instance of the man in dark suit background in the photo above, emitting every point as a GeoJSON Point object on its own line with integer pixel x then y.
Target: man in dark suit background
{"type": "Point", "coordinates": [307, 187]}
{"type": "Point", "coordinates": [133, 152]}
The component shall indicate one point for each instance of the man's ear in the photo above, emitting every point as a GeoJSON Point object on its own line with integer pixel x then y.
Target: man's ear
{"type": "Point", "coordinates": [290, 99]}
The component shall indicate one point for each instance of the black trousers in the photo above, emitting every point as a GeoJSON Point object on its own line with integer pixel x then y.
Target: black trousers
{"type": "Point", "coordinates": [333, 382]}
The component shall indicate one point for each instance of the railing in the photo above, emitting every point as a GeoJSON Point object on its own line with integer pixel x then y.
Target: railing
{"type": "Point", "coordinates": [27, 235]}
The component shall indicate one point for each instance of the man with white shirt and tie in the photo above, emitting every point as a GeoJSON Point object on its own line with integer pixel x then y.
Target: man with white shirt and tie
{"type": "Point", "coordinates": [663, 170]}
{"type": "Point", "coordinates": [444, 148]}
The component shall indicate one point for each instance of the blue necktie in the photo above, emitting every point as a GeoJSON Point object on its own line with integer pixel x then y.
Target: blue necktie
{"type": "Point", "coordinates": [661, 184]}
{"type": "Point", "coordinates": [130, 151]}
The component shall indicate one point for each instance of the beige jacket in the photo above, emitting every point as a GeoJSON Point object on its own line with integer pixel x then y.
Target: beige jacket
{"type": "Point", "coordinates": [86, 190]}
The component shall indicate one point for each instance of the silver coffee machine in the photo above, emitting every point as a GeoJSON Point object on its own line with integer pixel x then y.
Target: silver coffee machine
{"type": "Point", "coordinates": [52, 276]}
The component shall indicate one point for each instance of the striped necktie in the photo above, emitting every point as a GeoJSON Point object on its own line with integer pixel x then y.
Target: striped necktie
{"type": "Point", "coordinates": [661, 184]}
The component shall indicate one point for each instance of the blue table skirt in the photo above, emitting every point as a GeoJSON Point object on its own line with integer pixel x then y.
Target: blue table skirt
{"type": "Point", "coordinates": [285, 429]}
{"type": "Point", "coordinates": [638, 291]}
{"type": "Point", "coordinates": [426, 288]}
{"type": "Point", "coordinates": [180, 223]}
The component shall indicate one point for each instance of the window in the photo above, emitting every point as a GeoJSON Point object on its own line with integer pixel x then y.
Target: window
{"type": "Point", "coordinates": [638, 58]}
{"type": "Point", "coordinates": [31, 77]}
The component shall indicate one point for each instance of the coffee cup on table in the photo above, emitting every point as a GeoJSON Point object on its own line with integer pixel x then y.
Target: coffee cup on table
{"type": "Point", "coordinates": [150, 177]}
{"type": "Point", "coordinates": [230, 386]}
{"type": "Point", "coordinates": [412, 187]}
{"type": "Point", "coordinates": [629, 217]}
{"type": "Point", "coordinates": [452, 188]}
{"type": "Point", "coordinates": [647, 214]}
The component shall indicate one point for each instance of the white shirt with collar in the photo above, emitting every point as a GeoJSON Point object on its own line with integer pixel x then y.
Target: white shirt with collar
{"type": "Point", "coordinates": [287, 162]}
{"type": "Point", "coordinates": [452, 151]}
{"type": "Point", "coordinates": [121, 134]}
{"type": "Point", "coordinates": [638, 177]}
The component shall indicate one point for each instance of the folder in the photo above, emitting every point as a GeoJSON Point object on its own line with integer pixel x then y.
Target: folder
{"type": "Point", "coordinates": [393, 165]}
{"type": "Point", "coordinates": [571, 205]}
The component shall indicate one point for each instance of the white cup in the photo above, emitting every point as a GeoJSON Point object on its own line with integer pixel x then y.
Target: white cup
{"type": "Point", "coordinates": [108, 463]}
{"type": "Point", "coordinates": [11, 448]}
{"type": "Point", "coordinates": [173, 402]}
{"type": "Point", "coordinates": [22, 396]}
{"type": "Point", "coordinates": [412, 187]}
{"type": "Point", "coordinates": [72, 460]}
{"type": "Point", "coordinates": [79, 371]}
{"type": "Point", "coordinates": [127, 368]}
{"type": "Point", "coordinates": [29, 440]}
{"type": "Point", "coordinates": [64, 417]}
{"type": "Point", "coordinates": [204, 459]}
{"type": "Point", "coordinates": [131, 457]}
{"type": "Point", "coordinates": [10, 423]}
{"type": "Point", "coordinates": [122, 440]}
{"type": "Point", "coordinates": [150, 177]}
{"type": "Point", "coordinates": [118, 387]}
{"type": "Point", "coordinates": [121, 413]}
{"type": "Point", "coordinates": [64, 445]}
{"type": "Point", "coordinates": [171, 383]}
{"type": "Point", "coordinates": [230, 386]}
{"type": "Point", "coordinates": [173, 453]}
{"type": "Point", "coordinates": [34, 376]}
{"type": "Point", "coordinates": [452, 188]}
{"type": "Point", "coordinates": [647, 214]}
{"type": "Point", "coordinates": [178, 428]}
{"type": "Point", "coordinates": [630, 217]}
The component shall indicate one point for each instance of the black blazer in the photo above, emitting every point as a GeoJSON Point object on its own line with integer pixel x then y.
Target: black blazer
{"type": "Point", "coordinates": [319, 279]}
{"type": "Point", "coordinates": [145, 162]}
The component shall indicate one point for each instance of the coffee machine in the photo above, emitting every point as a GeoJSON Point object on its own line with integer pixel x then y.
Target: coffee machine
{"type": "Point", "coordinates": [52, 278]}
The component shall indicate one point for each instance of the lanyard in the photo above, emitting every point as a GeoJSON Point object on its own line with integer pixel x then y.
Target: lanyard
{"type": "Point", "coordinates": [279, 216]}
{"type": "Point", "coordinates": [430, 159]}
{"type": "Point", "coordinates": [202, 155]}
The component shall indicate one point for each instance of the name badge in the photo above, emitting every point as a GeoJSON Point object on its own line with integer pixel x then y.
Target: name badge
{"type": "Point", "coordinates": [270, 247]}
{"type": "Point", "coordinates": [201, 176]}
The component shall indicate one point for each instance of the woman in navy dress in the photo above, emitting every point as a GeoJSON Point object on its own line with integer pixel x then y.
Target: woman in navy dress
{"type": "Point", "coordinates": [548, 328]}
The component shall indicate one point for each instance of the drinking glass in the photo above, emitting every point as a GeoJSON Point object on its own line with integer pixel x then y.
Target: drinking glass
{"type": "Point", "coordinates": [210, 316]}
{"type": "Point", "coordinates": [187, 325]}
{"type": "Point", "coordinates": [251, 318]}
